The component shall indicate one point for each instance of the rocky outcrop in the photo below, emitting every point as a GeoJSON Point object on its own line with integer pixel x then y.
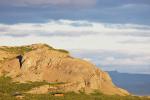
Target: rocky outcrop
{"type": "Point", "coordinates": [43, 63]}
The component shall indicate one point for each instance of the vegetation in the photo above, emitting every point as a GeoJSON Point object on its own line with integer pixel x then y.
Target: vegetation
{"type": "Point", "coordinates": [24, 49]}
{"type": "Point", "coordinates": [62, 50]}
{"type": "Point", "coordinates": [7, 88]}
{"type": "Point", "coordinates": [48, 46]}
{"type": "Point", "coordinates": [56, 83]}
{"type": "Point", "coordinates": [18, 50]}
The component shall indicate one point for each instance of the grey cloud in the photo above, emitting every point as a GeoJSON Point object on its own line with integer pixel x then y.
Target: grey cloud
{"type": "Point", "coordinates": [81, 24]}
{"type": "Point", "coordinates": [128, 26]}
{"type": "Point", "coordinates": [133, 34]}
{"type": "Point", "coordinates": [15, 35]}
{"type": "Point", "coordinates": [76, 23]}
{"type": "Point", "coordinates": [48, 2]}
{"type": "Point", "coordinates": [49, 34]}
{"type": "Point", "coordinates": [104, 54]}
{"type": "Point", "coordinates": [75, 2]}
{"type": "Point", "coordinates": [111, 11]}
{"type": "Point", "coordinates": [113, 3]}
{"type": "Point", "coordinates": [3, 29]}
{"type": "Point", "coordinates": [66, 34]}
{"type": "Point", "coordinates": [134, 69]}
{"type": "Point", "coordinates": [145, 41]}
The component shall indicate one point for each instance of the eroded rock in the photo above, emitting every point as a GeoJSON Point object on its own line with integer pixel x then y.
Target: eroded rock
{"type": "Point", "coordinates": [44, 63]}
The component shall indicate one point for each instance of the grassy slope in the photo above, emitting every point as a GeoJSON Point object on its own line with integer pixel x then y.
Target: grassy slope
{"type": "Point", "coordinates": [17, 50]}
{"type": "Point", "coordinates": [7, 88]}
{"type": "Point", "coordinates": [25, 49]}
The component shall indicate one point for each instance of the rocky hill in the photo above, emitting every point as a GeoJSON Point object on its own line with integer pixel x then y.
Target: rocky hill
{"type": "Point", "coordinates": [40, 62]}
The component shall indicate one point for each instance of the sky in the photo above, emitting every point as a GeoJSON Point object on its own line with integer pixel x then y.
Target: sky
{"type": "Point", "coordinates": [113, 34]}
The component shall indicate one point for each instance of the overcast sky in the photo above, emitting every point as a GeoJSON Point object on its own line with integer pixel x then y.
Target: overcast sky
{"type": "Point", "coordinates": [113, 34]}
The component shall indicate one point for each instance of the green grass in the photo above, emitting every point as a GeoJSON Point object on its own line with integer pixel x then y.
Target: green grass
{"type": "Point", "coordinates": [46, 45]}
{"type": "Point", "coordinates": [56, 83]}
{"type": "Point", "coordinates": [7, 88]}
{"type": "Point", "coordinates": [77, 96]}
{"type": "Point", "coordinates": [62, 50]}
{"type": "Point", "coordinates": [24, 49]}
{"type": "Point", "coordinates": [17, 50]}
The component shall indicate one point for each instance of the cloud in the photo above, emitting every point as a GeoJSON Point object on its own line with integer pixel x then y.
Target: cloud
{"type": "Point", "coordinates": [114, 57]}
{"type": "Point", "coordinates": [117, 60]}
{"type": "Point", "coordinates": [136, 41]}
{"type": "Point", "coordinates": [131, 6]}
{"type": "Point", "coordinates": [73, 28]}
{"type": "Point", "coordinates": [126, 61]}
{"type": "Point", "coordinates": [78, 3]}
{"type": "Point", "coordinates": [81, 34]}
{"type": "Point", "coordinates": [111, 11]}
{"type": "Point", "coordinates": [105, 39]}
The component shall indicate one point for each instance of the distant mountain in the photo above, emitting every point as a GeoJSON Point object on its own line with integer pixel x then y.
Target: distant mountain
{"type": "Point", "coordinates": [138, 84]}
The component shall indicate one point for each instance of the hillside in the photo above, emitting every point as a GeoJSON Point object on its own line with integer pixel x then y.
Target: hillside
{"type": "Point", "coordinates": [8, 88]}
{"type": "Point", "coordinates": [42, 63]}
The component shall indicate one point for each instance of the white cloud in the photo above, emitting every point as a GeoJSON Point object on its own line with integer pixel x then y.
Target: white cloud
{"type": "Point", "coordinates": [87, 59]}
{"type": "Point", "coordinates": [129, 39]}
{"type": "Point", "coordinates": [80, 34]}
{"type": "Point", "coordinates": [117, 60]}
{"type": "Point", "coordinates": [74, 28]}
{"type": "Point", "coordinates": [126, 61]}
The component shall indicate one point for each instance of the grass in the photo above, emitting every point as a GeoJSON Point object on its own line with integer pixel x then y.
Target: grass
{"type": "Point", "coordinates": [24, 49]}
{"type": "Point", "coordinates": [17, 50]}
{"type": "Point", "coordinates": [62, 50]}
{"type": "Point", "coordinates": [77, 96]}
{"type": "Point", "coordinates": [7, 88]}
{"type": "Point", "coordinates": [48, 46]}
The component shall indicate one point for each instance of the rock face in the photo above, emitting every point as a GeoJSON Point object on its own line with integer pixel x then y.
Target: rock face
{"type": "Point", "coordinates": [39, 62]}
